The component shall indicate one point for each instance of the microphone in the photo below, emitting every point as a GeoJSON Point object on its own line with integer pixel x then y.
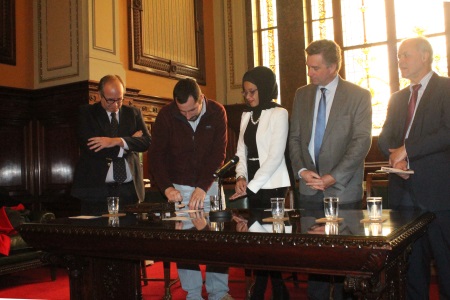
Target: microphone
{"type": "Point", "coordinates": [232, 162]}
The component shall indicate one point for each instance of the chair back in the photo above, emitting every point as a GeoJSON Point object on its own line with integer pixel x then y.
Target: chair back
{"type": "Point", "coordinates": [377, 186]}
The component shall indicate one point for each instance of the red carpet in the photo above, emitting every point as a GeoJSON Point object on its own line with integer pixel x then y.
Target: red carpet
{"type": "Point", "coordinates": [37, 284]}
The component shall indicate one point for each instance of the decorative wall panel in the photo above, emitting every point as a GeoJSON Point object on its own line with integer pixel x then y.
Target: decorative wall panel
{"type": "Point", "coordinates": [58, 39]}
{"type": "Point", "coordinates": [235, 17]}
{"type": "Point", "coordinates": [16, 168]}
{"type": "Point", "coordinates": [7, 32]}
{"type": "Point", "coordinates": [104, 26]}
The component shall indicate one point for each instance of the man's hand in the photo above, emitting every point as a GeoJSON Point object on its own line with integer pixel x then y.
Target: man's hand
{"type": "Point", "coordinates": [402, 165]}
{"type": "Point", "coordinates": [316, 182]}
{"type": "Point", "coordinates": [102, 142]}
{"type": "Point", "coordinates": [397, 155]}
{"type": "Point", "coordinates": [198, 219]}
{"type": "Point", "coordinates": [178, 225]}
{"type": "Point", "coordinates": [138, 133]}
{"type": "Point", "coordinates": [309, 176]}
{"type": "Point", "coordinates": [241, 224]}
{"type": "Point", "coordinates": [173, 195]}
{"type": "Point", "coordinates": [197, 199]}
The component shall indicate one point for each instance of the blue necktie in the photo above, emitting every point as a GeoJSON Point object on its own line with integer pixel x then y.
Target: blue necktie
{"type": "Point", "coordinates": [320, 125]}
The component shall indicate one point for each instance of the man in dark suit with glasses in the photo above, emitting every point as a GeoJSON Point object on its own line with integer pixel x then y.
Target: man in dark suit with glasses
{"type": "Point", "coordinates": [111, 135]}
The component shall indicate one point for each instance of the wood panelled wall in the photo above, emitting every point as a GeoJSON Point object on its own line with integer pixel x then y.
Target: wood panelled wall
{"type": "Point", "coordinates": [39, 148]}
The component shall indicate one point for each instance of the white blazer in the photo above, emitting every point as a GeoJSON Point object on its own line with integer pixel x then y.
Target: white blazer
{"type": "Point", "coordinates": [271, 138]}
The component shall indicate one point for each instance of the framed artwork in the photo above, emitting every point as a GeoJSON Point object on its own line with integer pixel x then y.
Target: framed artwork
{"type": "Point", "coordinates": [167, 38]}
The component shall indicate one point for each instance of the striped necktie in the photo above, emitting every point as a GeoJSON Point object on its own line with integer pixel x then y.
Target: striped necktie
{"type": "Point", "coordinates": [119, 171]}
{"type": "Point", "coordinates": [411, 107]}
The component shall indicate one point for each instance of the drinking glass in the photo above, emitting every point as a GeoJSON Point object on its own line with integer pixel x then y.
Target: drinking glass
{"type": "Point", "coordinates": [331, 207]}
{"type": "Point", "coordinates": [277, 205]}
{"type": "Point", "coordinates": [278, 226]}
{"type": "Point", "coordinates": [374, 207]}
{"type": "Point", "coordinates": [113, 205]}
{"type": "Point", "coordinates": [214, 203]}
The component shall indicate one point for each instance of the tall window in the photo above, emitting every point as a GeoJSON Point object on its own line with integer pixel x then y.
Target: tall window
{"type": "Point", "coordinates": [265, 35]}
{"type": "Point", "coordinates": [370, 29]}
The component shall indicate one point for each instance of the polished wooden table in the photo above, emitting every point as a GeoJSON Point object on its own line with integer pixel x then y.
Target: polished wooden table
{"type": "Point", "coordinates": [103, 258]}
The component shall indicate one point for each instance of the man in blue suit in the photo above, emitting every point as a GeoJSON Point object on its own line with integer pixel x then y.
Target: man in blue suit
{"type": "Point", "coordinates": [420, 141]}
{"type": "Point", "coordinates": [102, 147]}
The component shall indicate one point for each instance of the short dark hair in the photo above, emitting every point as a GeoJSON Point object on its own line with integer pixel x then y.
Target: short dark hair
{"type": "Point", "coordinates": [108, 78]}
{"type": "Point", "coordinates": [184, 89]}
{"type": "Point", "coordinates": [331, 52]}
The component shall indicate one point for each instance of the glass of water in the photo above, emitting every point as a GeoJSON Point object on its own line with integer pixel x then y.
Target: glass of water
{"type": "Point", "coordinates": [331, 207]}
{"type": "Point", "coordinates": [277, 205]}
{"type": "Point", "coordinates": [374, 207]}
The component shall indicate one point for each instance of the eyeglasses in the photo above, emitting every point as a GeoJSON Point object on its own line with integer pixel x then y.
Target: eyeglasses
{"type": "Point", "coordinates": [112, 101]}
{"type": "Point", "coordinates": [251, 93]}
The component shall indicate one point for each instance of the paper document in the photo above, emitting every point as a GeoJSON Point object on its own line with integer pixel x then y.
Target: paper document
{"type": "Point", "coordinates": [396, 171]}
{"type": "Point", "coordinates": [85, 217]}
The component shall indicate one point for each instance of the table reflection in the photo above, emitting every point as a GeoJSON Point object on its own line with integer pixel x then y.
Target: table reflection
{"type": "Point", "coordinates": [351, 222]}
{"type": "Point", "coordinates": [114, 221]}
{"type": "Point", "coordinates": [372, 256]}
{"type": "Point", "coordinates": [332, 228]}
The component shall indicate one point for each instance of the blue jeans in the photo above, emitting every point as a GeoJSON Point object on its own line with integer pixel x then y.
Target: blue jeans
{"type": "Point", "coordinates": [216, 281]}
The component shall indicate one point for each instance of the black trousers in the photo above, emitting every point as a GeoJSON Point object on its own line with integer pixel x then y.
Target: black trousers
{"type": "Point", "coordinates": [321, 287]}
{"type": "Point", "coordinates": [434, 244]}
{"type": "Point", "coordinates": [261, 200]}
{"type": "Point", "coordinates": [95, 205]}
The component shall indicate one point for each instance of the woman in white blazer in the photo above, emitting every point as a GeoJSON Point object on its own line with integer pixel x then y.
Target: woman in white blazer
{"type": "Point", "coordinates": [261, 173]}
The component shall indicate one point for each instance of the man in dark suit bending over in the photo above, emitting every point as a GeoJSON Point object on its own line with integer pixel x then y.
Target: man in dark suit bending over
{"type": "Point", "coordinates": [420, 140]}
{"type": "Point", "coordinates": [111, 136]}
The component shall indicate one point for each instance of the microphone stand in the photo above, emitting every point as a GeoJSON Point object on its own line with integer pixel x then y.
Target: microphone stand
{"type": "Point", "coordinates": [221, 214]}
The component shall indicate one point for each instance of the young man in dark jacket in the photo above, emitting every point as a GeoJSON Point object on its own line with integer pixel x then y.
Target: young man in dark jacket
{"type": "Point", "coordinates": [189, 140]}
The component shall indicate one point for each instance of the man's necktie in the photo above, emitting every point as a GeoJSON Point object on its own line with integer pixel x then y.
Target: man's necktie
{"type": "Point", "coordinates": [320, 125]}
{"type": "Point", "coordinates": [119, 171]}
{"type": "Point", "coordinates": [411, 107]}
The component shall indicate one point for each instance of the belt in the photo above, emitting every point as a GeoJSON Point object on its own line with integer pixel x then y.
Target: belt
{"type": "Point", "coordinates": [117, 184]}
{"type": "Point", "coordinates": [253, 158]}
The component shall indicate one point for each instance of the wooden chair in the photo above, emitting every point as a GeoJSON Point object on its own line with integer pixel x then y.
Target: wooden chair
{"type": "Point", "coordinates": [168, 282]}
{"type": "Point", "coordinates": [155, 201]}
{"type": "Point", "coordinates": [240, 204]}
{"type": "Point", "coordinates": [377, 186]}
{"type": "Point", "coordinates": [243, 203]}
{"type": "Point", "coordinates": [290, 204]}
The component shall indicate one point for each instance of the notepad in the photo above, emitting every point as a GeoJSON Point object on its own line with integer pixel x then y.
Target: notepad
{"type": "Point", "coordinates": [396, 171]}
